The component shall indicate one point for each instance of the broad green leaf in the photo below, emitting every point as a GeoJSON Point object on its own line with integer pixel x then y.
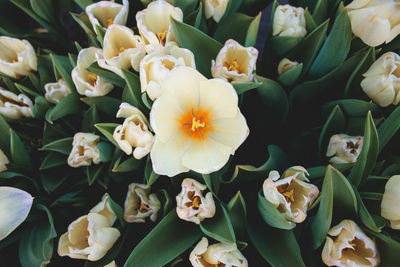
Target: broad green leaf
{"type": "Point", "coordinates": [11, 175]}
{"type": "Point", "coordinates": [389, 249]}
{"type": "Point", "coordinates": [53, 159]}
{"type": "Point", "coordinates": [64, 67]}
{"type": "Point", "coordinates": [106, 104]}
{"type": "Point", "coordinates": [271, 215]}
{"type": "Point", "coordinates": [70, 197]}
{"type": "Point", "coordinates": [335, 124]}
{"type": "Point", "coordinates": [26, 90]}
{"type": "Point", "coordinates": [132, 93]}
{"type": "Point", "coordinates": [40, 107]}
{"type": "Point", "coordinates": [153, 250]}
{"type": "Point", "coordinates": [320, 12]}
{"type": "Point", "coordinates": [83, 20]}
{"type": "Point", "coordinates": [344, 198]}
{"type": "Point", "coordinates": [63, 146]}
{"type": "Point", "coordinates": [389, 128]}
{"type": "Point", "coordinates": [69, 105]}
{"type": "Point", "coordinates": [289, 77]}
{"type": "Point", "coordinates": [119, 212]}
{"type": "Point", "coordinates": [51, 179]}
{"type": "Point", "coordinates": [93, 172]}
{"type": "Point", "coordinates": [4, 136]}
{"type": "Point", "coordinates": [352, 107]}
{"type": "Point", "coordinates": [354, 81]}
{"type": "Point", "coordinates": [84, 3]}
{"type": "Point", "coordinates": [317, 172]}
{"type": "Point", "coordinates": [187, 6]}
{"type": "Point", "coordinates": [232, 7]}
{"type": "Point", "coordinates": [152, 178]}
{"type": "Point", "coordinates": [372, 195]}
{"type": "Point", "coordinates": [107, 129]}
{"type": "Point", "coordinates": [238, 215]}
{"type": "Point", "coordinates": [107, 75]}
{"type": "Point", "coordinates": [281, 45]}
{"type": "Point", "coordinates": [19, 155]}
{"type": "Point", "coordinates": [244, 87]}
{"type": "Point", "coordinates": [106, 151]}
{"type": "Point", "coordinates": [90, 118]}
{"type": "Point", "coordinates": [364, 214]}
{"type": "Point", "coordinates": [128, 165]}
{"type": "Point", "coordinates": [45, 9]}
{"type": "Point", "coordinates": [252, 32]}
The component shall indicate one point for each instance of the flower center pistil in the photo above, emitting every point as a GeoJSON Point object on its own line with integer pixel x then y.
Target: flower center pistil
{"type": "Point", "coordinates": [92, 78]}
{"type": "Point", "coordinates": [352, 147]}
{"type": "Point", "coordinates": [109, 22]}
{"type": "Point", "coordinates": [143, 207]}
{"type": "Point", "coordinates": [195, 201]}
{"type": "Point", "coordinates": [162, 37]}
{"type": "Point", "coordinates": [196, 124]}
{"type": "Point", "coordinates": [288, 194]}
{"type": "Point", "coordinates": [233, 65]}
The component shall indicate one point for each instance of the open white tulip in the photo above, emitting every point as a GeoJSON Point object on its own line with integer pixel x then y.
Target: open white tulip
{"type": "Point", "coordinates": [344, 148]}
{"type": "Point", "coordinates": [15, 205]}
{"type": "Point", "coordinates": [156, 66]}
{"type": "Point", "coordinates": [285, 65]}
{"type": "Point", "coordinates": [215, 9]}
{"type": "Point", "coordinates": [375, 21]}
{"type": "Point", "coordinates": [104, 208]}
{"type": "Point", "coordinates": [106, 13]}
{"type": "Point", "coordinates": [347, 245]}
{"type": "Point", "coordinates": [88, 83]}
{"type": "Point", "coordinates": [3, 161]}
{"type": "Point", "coordinates": [84, 150]}
{"type": "Point", "coordinates": [219, 254]}
{"type": "Point", "coordinates": [154, 23]}
{"type": "Point", "coordinates": [289, 21]}
{"type": "Point", "coordinates": [15, 106]}
{"type": "Point", "coordinates": [17, 57]}
{"type": "Point", "coordinates": [235, 63]}
{"type": "Point", "coordinates": [197, 124]}
{"type": "Point", "coordinates": [390, 208]}
{"type": "Point", "coordinates": [382, 80]}
{"type": "Point", "coordinates": [134, 132]}
{"type": "Point", "coordinates": [191, 205]}
{"type": "Point", "coordinates": [56, 91]}
{"type": "Point", "coordinates": [140, 204]}
{"type": "Point", "coordinates": [122, 50]}
{"type": "Point", "coordinates": [89, 237]}
{"type": "Point", "coordinates": [290, 193]}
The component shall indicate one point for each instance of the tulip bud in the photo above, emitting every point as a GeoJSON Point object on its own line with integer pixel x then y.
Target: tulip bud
{"type": "Point", "coordinates": [84, 150]}
{"type": "Point", "coordinates": [15, 107]}
{"type": "Point", "coordinates": [134, 132]}
{"type": "Point", "coordinates": [347, 245]}
{"type": "Point", "coordinates": [344, 148]}
{"type": "Point", "coordinates": [56, 91]}
{"type": "Point", "coordinates": [140, 204]}
{"type": "Point", "coordinates": [290, 193]}
{"type": "Point", "coordinates": [382, 80]}
{"type": "Point", "coordinates": [17, 57]}
{"type": "Point", "coordinates": [375, 22]}
{"type": "Point", "coordinates": [289, 21]}
{"type": "Point", "coordinates": [191, 205]}
{"type": "Point", "coordinates": [215, 9]}
{"type": "Point", "coordinates": [106, 13]}
{"type": "Point", "coordinates": [122, 50]}
{"type": "Point", "coordinates": [390, 208]}
{"type": "Point", "coordinates": [286, 65]}
{"type": "Point", "coordinates": [219, 254]}
{"type": "Point", "coordinates": [3, 161]}
{"type": "Point", "coordinates": [156, 66]}
{"type": "Point", "coordinates": [235, 63]}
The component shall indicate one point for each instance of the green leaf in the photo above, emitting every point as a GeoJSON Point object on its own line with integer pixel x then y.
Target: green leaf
{"type": "Point", "coordinates": [317, 172]}
{"type": "Point", "coordinates": [220, 226]}
{"type": "Point", "coordinates": [90, 118]}
{"type": "Point", "coordinates": [119, 212]}
{"type": "Point", "coordinates": [11, 175]}
{"type": "Point", "coordinates": [93, 172]}
{"type": "Point", "coordinates": [238, 215]}
{"type": "Point", "coordinates": [100, 34]}
{"type": "Point", "coordinates": [84, 3]}
{"type": "Point", "coordinates": [187, 6]}
{"type": "Point", "coordinates": [69, 105]}
{"type": "Point", "coordinates": [64, 67]}
{"type": "Point", "coordinates": [4, 136]}
{"type": "Point", "coordinates": [106, 104]}
{"type": "Point", "coordinates": [252, 32]}
{"type": "Point", "coordinates": [51, 179]}
{"type": "Point", "coordinates": [152, 250]}
{"type": "Point", "coordinates": [289, 77]}
{"type": "Point", "coordinates": [107, 75]}
{"type": "Point", "coordinates": [367, 159]}
{"type": "Point", "coordinates": [364, 214]}
{"type": "Point", "coordinates": [53, 159]}
{"type": "Point", "coordinates": [107, 129]}
{"type": "Point", "coordinates": [356, 77]}
{"type": "Point", "coordinates": [63, 146]}
{"type": "Point", "coordinates": [19, 154]}
{"type": "Point", "coordinates": [203, 47]}
{"type": "Point", "coordinates": [320, 11]}
{"type": "Point", "coordinates": [372, 195]}
{"type": "Point", "coordinates": [389, 128]}
{"type": "Point", "coordinates": [83, 20]}
{"type": "Point", "coordinates": [281, 45]}
{"type": "Point", "coordinates": [41, 106]}
{"type": "Point", "coordinates": [132, 93]}
{"type": "Point", "coordinates": [241, 88]}
{"type": "Point", "coordinates": [335, 124]}
{"type": "Point", "coordinates": [344, 198]}
{"type": "Point", "coordinates": [106, 151]}
{"type": "Point", "coordinates": [388, 248]}
{"type": "Point", "coordinates": [26, 90]}
{"type": "Point", "coordinates": [152, 178]}
{"type": "Point", "coordinates": [232, 7]}
{"type": "Point", "coordinates": [352, 107]}
{"type": "Point", "coordinates": [128, 165]}
{"type": "Point", "coordinates": [336, 47]}
{"type": "Point", "coordinates": [271, 215]}
{"type": "Point", "coordinates": [45, 9]}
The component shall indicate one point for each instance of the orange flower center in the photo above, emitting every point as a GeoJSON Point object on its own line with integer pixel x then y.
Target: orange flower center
{"type": "Point", "coordinates": [109, 22]}
{"type": "Point", "coordinates": [92, 78]}
{"type": "Point", "coordinates": [196, 124]}
{"type": "Point", "coordinates": [232, 65]}
{"type": "Point", "coordinates": [162, 37]}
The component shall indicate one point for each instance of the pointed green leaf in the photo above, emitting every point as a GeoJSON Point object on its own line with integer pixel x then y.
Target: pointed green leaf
{"type": "Point", "coordinates": [106, 104]}
{"type": "Point", "coordinates": [53, 159]}
{"type": "Point", "coordinates": [335, 124]}
{"type": "Point", "coordinates": [63, 146]}
{"type": "Point", "coordinates": [389, 128]}
{"type": "Point", "coordinates": [107, 129]}
{"type": "Point", "coordinates": [19, 154]}
{"type": "Point", "coordinates": [289, 77]}
{"type": "Point", "coordinates": [107, 75]}
{"type": "Point", "coordinates": [69, 105]}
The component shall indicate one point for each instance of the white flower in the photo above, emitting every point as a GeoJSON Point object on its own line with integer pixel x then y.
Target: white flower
{"type": "Point", "coordinates": [88, 83]}
{"type": "Point", "coordinates": [215, 9]}
{"type": "Point", "coordinates": [106, 13]}
{"type": "Point", "coordinates": [285, 65]}
{"type": "Point", "coordinates": [3, 161]}
{"type": "Point", "coordinates": [347, 245]}
{"type": "Point", "coordinates": [390, 208]}
{"type": "Point", "coordinates": [156, 66]}
{"type": "Point", "coordinates": [191, 205]}
{"type": "Point", "coordinates": [375, 21]}
{"type": "Point", "coordinates": [15, 106]}
{"type": "Point", "coordinates": [84, 150]}
{"type": "Point", "coordinates": [290, 193]}
{"type": "Point", "coordinates": [154, 23]}
{"type": "Point", "coordinates": [122, 50]}
{"type": "Point", "coordinates": [15, 205]}
{"type": "Point", "coordinates": [140, 204]}
{"type": "Point", "coordinates": [56, 91]}
{"type": "Point", "coordinates": [289, 21]}
{"type": "Point", "coordinates": [344, 148]}
{"type": "Point", "coordinates": [219, 254]}
{"type": "Point", "coordinates": [134, 132]}
{"type": "Point", "coordinates": [235, 63]}
{"type": "Point", "coordinates": [17, 57]}
{"type": "Point", "coordinates": [382, 80]}
{"type": "Point", "coordinates": [111, 264]}
{"type": "Point", "coordinates": [104, 208]}
{"type": "Point", "coordinates": [197, 124]}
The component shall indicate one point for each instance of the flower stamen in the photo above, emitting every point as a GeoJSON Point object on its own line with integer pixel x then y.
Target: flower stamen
{"type": "Point", "coordinates": [232, 65]}
{"type": "Point", "coordinates": [352, 147]}
{"type": "Point", "coordinates": [162, 37]}
{"type": "Point", "coordinates": [92, 78]}
{"type": "Point", "coordinates": [109, 22]}
{"type": "Point", "coordinates": [288, 194]}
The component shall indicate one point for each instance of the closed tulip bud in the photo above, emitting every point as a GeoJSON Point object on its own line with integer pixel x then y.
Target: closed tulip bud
{"type": "Point", "coordinates": [15, 106]}
{"type": "Point", "coordinates": [3, 161]}
{"type": "Point", "coordinates": [289, 21]}
{"type": "Point", "coordinates": [56, 91]}
{"type": "Point", "coordinates": [219, 254]}
{"type": "Point", "coordinates": [156, 66]}
{"type": "Point", "coordinates": [347, 245]}
{"type": "Point", "coordinates": [390, 208]}
{"type": "Point", "coordinates": [382, 80]}
{"type": "Point", "coordinates": [286, 65]}
{"type": "Point", "coordinates": [106, 13]}
{"type": "Point", "coordinates": [17, 57]}
{"type": "Point", "coordinates": [191, 205]}
{"type": "Point", "coordinates": [84, 150]}
{"type": "Point", "coordinates": [215, 9]}
{"type": "Point", "coordinates": [375, 22]}
{"type": "Point", "coordinates": [88, 83]}
{"type": "Point", "coordinates": [290, 193]}
{"type": "Point", "coordinates": [344, 148]}
{"type": "Point", "coordinates": [134, 134]}
{"type": "Point", "coordinates": [140, 204]}
{"type": "Point", "coordinates": [121, 50]}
